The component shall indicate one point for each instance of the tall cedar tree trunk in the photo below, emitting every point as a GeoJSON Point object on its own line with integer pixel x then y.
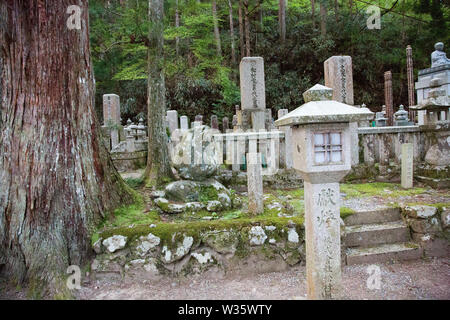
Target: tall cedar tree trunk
{"type": "Point", "coordinates": [233, 50]}
{"type": "Point", "coordinates": [313, 14]}
{"type": "Point", "coordinates": [247, 28]}
{"type": "Point", "coordinates": [241, 29]}
{"type": "Point", "coordinates": [158, 161]}
{"type": "Point", "coordinates": [282, 20]}
{"type": "Point", "coordinates": [56, 176]}
{"type": "Point", "coordinates": [177, 25]}
{"type": "Point", "coordinates": [323, 18]}
{"type": "Point", "coordinates": [216, 28]}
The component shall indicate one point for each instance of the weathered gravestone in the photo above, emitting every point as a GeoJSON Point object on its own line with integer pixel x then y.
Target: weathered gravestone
{"type": "Point", "coordinates": [253, 95]}
{"type": "Point", "coordinates": [407, 165]}
{"type": "Point", "coordinates": [111, 117]}
{"type": "Point", "coordinates": [339, 77]}
{"type": "Point", "coordinates": [254, 183]}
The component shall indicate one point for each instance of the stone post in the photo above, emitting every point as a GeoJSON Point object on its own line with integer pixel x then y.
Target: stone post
{"type": "Point", "coordinates": [184, 123]}
{"type": "Point", "coordinates": [388, 98]}
{"type": "Point", "coordinates": [111, 117]}
{"type": "Point", "coordinates": [214, 122]}
{"type": "Point", "coordinates": [407, 165]}
{"type": "Point", "coordinates": [199, 118]}
{"type": "Point", "coordinates": [172, 118]}
{"type": "Point", "coordinates": [111, 109]}
{"type": "Point", "coordinates": [254, 184]}
{"type": "Point", "coordinates": [410, 75]}
{"type": "Point", "coordinates": [323, 243]}
{"type": "Point", "coordinates": [225, 124]}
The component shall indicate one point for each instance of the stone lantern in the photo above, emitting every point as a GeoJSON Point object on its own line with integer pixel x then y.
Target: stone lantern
{"type": "Point", "coordinates": [322, 155]}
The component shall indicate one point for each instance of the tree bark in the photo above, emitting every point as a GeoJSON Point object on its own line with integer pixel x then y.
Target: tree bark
{"type": "Point", "coordinates": [313, 15]}
{"type": "Point", "coordinates": [282, 20]}
{"type": "Point", "coordinates": [247, 28]}
{"type": "Point", "coordinates": [241, 29]}
{"type": "Point", "coordinates": [323, 18]}
{"type": "Point", "coordinates": [56, 177]}
{"type": "Point", "coordinates": [177, 25]}
{"type": "Point", "coordinates": [216, 28]}
{"type": "Point", "coordinates": [158, 169]}
{"type": "Point", "coordinates": [233, 50]}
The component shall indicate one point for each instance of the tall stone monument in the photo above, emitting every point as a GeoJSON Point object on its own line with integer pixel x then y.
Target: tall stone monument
{"type": "Point", "coordinates": [389, 98]}
{"type": "Point", "coordinates": [339, 77]}
{"type": "Point", "coordinates": [111, 119]}
{"type": "Point", "coordinates": [322, 148]}
{"type": "Point", "coordinates": [253, 95]}
{"type": "Point", "coordinates": [338, 74]}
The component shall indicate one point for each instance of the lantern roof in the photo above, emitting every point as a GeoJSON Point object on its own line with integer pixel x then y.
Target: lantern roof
{"type": "Point", "coordinates": [319, 108]}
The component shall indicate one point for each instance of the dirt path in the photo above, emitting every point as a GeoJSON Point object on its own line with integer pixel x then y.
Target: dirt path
{"type": "Point", "coordinates": [424, 279]}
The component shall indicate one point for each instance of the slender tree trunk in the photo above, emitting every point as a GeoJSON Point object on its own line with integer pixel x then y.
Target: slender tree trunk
{"type": "Point", "coordinates": [323, 18]}
{"type": "Point", "coordinates": [313, 13]}
{"type": "Point", "coordinates": [233, 50]}
{"type": "Point", "coordinates": [282, 20]}
{"type": "Point", "coordinates": [336, 10]}
{"type": "Point", "coordinates": [247, 28]}
{"type": "Point", "coordinates": [241, 29]}
{"type": "Point", "coordinates": [216, 28]}
{"type": "Point", "coordinates": [56, 176]}
{"type": "Point", "coordinates": [177, 25]}
{"type": "Point", "coordinates": [158, 170]}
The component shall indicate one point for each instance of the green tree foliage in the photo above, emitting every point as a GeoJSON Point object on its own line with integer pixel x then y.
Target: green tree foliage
{"type": "Point", "coordinates": [199, 81]}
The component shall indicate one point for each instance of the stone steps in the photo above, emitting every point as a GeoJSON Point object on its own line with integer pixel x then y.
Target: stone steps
{"type": "Point", "coordinates": [384, 253]}
{"type": "Point", "coordinates": [367, 235]}
{"type": "Point", "coordinates": [377, 216]}
{"type": "Point", "coordinates": [378, 236]}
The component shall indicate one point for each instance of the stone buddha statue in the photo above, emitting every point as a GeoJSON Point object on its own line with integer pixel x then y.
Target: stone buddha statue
{"type": "Point", "coordinates": [438, 57]}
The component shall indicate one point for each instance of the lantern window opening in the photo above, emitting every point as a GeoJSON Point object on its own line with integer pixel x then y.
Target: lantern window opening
{"type": "Point", "coordinates": [327, 148]}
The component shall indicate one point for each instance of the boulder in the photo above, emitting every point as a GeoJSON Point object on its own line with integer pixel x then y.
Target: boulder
{"type": "Point", "coordinates": [445, 218]}
{"type": "Point", "coordinates": [438, 156]}
{"type": "Point", "coordinates": [195, 156]}
{"type": "Point", "coordinates": [420, 211]}
{"type": "Point", "coordinates": [115, 243]}
{"type": "Point", "coordinates": [257, 236]}
{"type": "Point", "coordinates": [194, 191]}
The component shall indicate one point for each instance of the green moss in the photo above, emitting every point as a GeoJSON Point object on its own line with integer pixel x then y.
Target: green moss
{"type": "Point", "coordinates": [345, 212]}
{"type": "Point", "coordinates": [207, 193]}
{"type": "Point", "coordinates": [165, 230]}
{"type": "Point", "coordinates": [135, 183]}
{"type": "Point", "coordinates": [378, 189]}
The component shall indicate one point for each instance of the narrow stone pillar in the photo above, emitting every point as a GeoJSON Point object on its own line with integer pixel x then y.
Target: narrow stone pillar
{"type": "Point", "coordinates": [172, 118]}
{"type": "Point", "coordinates": [111, 109]}
{"type": "Point", "coordinates": [254, 184]}
{"type": "Point", "coordinates": [225, 124]}
{"type": "Point", "coordinates": [286, 146]}
{"type": "Point", "coordinates": [323, 244]}
{"type": "Point", "coordinates": [410, 74]}
{"type": "Point", "coordinates": [111, 117]}
{"type": "Point", "coordinates": [184, 123]}
{"type": "Point", "coordinates": [199, 118]}
{"type": "Point", "coordinates": [407, 165]}
{"type": "Point", "coordinates": [388, 98]}
{"type": "Point", "coordinates": [214, 122]}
